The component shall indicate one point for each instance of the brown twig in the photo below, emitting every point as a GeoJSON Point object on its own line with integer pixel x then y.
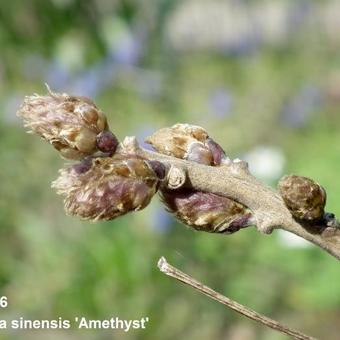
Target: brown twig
{"type": "Point", "coordinates": [172, 271]}
{"type": "Point", "coordinates": [235, 181]}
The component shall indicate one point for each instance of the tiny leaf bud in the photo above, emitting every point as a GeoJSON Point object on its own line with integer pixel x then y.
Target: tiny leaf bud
{"type": "Point", "coordinates": [305, 198]}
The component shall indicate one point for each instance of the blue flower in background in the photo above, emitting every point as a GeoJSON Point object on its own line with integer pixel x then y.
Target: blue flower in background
{"type": "Point", "coordinates": [300, 108]}
{"type": "Point", "coordinates": [94, 80]}
{"type": "Point", "coordinates": [161, 220]}
{"type": "Point", "coordinates": [247, 45]}
{"type": "Point", "coordinates": [57, 76]}
{"type": "Point", "coordinates": [127, 50]}
{"type": "Point", "coordinates": [143, 132]}
{"type": "Point", "coordinates": [298, 15]}
{"type": "Point", "coordinates": [221, 103]}
{"type": "Point", "coordinates": [124, 42]}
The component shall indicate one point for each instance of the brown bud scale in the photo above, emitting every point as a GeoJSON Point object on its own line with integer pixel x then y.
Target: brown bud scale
{"type": "Point", "coordinates": [71, 124]}
{"type": "Point", "coordinates": [305, 198]}
{"type": "Point", "coordinates": [188, 142]}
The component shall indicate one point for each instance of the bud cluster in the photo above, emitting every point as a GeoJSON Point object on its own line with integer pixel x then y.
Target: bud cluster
{"type": "Point", "coordinates": [105, 183]}
{"type": "Point", "coordinates": [305, 198]}
{"type": "Point", "coordinates": [201, 210]}
{"type": "Point", "coordinates": [111, 179]}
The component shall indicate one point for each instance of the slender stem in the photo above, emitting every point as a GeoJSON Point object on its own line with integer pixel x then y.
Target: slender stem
{"type": "Point", "coordinates": [169, 270]}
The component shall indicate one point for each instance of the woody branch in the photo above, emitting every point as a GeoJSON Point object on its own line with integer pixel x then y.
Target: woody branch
{"type": "Point", "coordinates": [235, 181]}
{"type": "Point", "coordinates": [197, 181]}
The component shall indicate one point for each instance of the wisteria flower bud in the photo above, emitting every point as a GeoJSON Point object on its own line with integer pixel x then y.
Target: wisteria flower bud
{"type": "Point", "coordinates": [188, 142]}
{"type": "Point", "coordinates": [200, 210]}
{"type": "Point", "coordinates": [106, 187]}
{"type": "Point", "coordinates": [305, 198]}
{"type": "Point", "coordinates": [199, 153]}
{"type": "Point", "coordinates": [207, 211]}
{"type": "Point", "coordinates": [73, 125]}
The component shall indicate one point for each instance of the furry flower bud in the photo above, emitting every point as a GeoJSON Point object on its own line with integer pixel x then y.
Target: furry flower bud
{"type": "Point", "coordinates": [203, 211]}
{"type": "Point", "coordinates": [305, 198]}
{"type": "Point", "coordinates": [206, 211]}
{"type": "Point", "coordinates": [73, 125]}
{"type": "Point", "coordinates": [105, 188]}
{"type": "Point", "coordinates": [188, 142]}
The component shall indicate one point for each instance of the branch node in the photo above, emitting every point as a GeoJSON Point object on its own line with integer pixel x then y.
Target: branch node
{"type": "Point", "coordinates": [130, 145]}
{"type": "Point", "coordinates": [176, 177]}
{"type": "Point", "coordinates": [265, 226]}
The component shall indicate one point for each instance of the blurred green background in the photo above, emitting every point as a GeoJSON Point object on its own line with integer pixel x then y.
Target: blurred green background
{"type": "Point", "coordinates": [263, 77]}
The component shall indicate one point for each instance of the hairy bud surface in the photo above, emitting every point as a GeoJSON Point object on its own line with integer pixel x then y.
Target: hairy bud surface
{"type": "Point", "coordinates": [73, 125]}
{"type": "Point", "coordinates": [104, 188]}
{"type": "Point", "coordinates": [305, 198]}
{"type": "Point", "coordinates": [188, 142]}
{"type": "Point", "coordinates": [206, 211]}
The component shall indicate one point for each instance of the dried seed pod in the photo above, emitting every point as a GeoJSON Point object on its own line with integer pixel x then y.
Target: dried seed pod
{"type": "Point", "coordinates": [206, 211]}
{"type": "Point", "coordinates": [104, 188]}
{"type": "Point", "coordinates": [73, 125]}
{"type": "Point", "coordinates": [188, 142]}
{"type": "Point", "coordinates": [305, 198]}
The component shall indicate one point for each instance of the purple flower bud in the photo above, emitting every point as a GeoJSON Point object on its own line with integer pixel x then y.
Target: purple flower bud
{"type": "Point", "coordinates": [71, 124]}
{"type": "Point", "coordinates": [305, 198]}
{"type": "Point", "coordinates": [111, 187]}
{"type": "Point", "coordinates": [189, 142]}
{"type": "Point", "coordinates": [202, 211]}
{"type": "Point", "coordinates": [176, 140]}
{"type": "Point", "coordinates": [206, 211]}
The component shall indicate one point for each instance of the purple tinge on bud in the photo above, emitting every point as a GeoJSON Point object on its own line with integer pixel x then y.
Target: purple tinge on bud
{"type": "Point", "coordinates": [175, 141]}
{"type": "Point", "coordinates": [216, 150]}
{"type": "Point", "coordinates": [107, 142]}
{"type": "Point", "coordinates": [188, 142]}
{"type": "Point", "coordinates": [111, 187]}
{"type": "Point", "coordinates": [305, 198]}
{"type": "Point", "coordinates": [71, 124]}
{"type": "Point", "coordinates": [158, 168]}
{"type": "Point", "coordinates": [83, 166]}
{"type": "Point", "coordinates": [206, 211]}
{"type": "Point", "coordinates": [199, 153]}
